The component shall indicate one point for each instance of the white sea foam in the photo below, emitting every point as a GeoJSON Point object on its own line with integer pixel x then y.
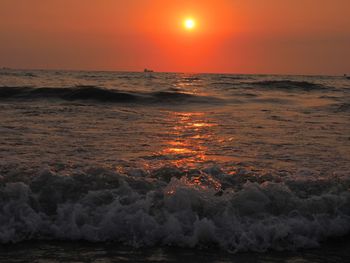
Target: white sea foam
{"type": "Point", "coordinates": [184, 212]}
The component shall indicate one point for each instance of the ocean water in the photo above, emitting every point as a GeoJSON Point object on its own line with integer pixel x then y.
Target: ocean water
{"type": "Point", "coordinates": [174, 164]}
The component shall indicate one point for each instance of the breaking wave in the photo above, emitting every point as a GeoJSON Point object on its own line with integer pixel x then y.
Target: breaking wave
{"type": "Point", "coordinates": [238, 211]}
{"type": "Point", "coordinates": [98, 94]}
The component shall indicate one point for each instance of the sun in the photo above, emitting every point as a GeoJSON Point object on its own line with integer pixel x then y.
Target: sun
{"type": "Point", "coordinates": [189, 23]}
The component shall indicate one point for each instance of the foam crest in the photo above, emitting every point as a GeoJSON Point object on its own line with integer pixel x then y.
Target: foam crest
{"type": "Point", "coordinates": [101, 205]}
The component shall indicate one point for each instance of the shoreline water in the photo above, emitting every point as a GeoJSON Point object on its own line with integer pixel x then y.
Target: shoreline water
{"type": "Point", "coordinates": [331, 251]}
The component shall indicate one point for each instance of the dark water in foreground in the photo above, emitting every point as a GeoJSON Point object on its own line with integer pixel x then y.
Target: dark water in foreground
{"type": "Point", "coordinates": [49, 252]}
{"type": "Point", "coordinates": [238, 163]}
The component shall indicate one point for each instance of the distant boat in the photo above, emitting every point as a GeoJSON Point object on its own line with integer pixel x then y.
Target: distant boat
{"type": "Point", "coordinates": [147, 70]}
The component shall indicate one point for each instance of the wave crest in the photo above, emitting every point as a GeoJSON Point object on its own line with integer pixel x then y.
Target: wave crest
{"type": "Point", "coordinates": [98, 94]}
{"type": "Point", "coordinates": [289, 85]}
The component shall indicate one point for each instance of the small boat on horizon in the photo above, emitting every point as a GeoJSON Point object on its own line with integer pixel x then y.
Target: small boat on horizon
{"type": "Point", "coordinates": [148, 70]}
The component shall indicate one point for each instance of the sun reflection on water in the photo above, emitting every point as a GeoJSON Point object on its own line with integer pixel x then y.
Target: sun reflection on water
{"type": "Point", "coordinates": [191, 133]}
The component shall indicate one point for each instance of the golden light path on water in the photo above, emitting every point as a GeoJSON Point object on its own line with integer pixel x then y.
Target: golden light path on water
{"type": "Point", "coordinates": [189, 147]}
{"type": "Point", "coordinates": [189, 134]}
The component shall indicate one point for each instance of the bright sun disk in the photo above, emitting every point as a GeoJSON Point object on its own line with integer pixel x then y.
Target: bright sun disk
{"type": "Point", "coordinates": [189, 23]}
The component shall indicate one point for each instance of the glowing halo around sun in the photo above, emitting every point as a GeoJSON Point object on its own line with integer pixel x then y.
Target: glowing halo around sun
{"type": "Point", "coordinates": [189, 24]}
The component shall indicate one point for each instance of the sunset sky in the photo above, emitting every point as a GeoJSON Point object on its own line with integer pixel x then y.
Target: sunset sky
{"type": "Point", "coordinates": [234, 36]}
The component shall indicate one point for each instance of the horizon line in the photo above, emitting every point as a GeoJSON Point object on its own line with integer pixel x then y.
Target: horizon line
{"type": "Point", "coordinates": [176, 72]}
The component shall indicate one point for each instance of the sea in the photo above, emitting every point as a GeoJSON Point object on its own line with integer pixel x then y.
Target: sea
{"type": "Point", "coordinates": [168, 167]}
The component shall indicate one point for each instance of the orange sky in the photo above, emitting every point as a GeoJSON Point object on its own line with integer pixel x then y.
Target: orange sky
{"type": "Point", "coordinates": [245, 36]}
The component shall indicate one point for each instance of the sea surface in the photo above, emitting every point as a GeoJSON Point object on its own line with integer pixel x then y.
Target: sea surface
{"type": "Point", "coordinates": [144, 167]}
